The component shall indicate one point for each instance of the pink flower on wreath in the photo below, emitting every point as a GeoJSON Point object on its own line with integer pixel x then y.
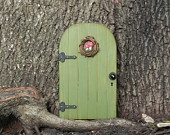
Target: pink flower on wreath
{"type": "Point", "coordinates": [89, 46]}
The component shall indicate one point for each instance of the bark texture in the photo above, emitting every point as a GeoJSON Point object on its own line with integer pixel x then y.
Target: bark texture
{"type": "Point", "coordinates": [143, 31]}
{"type": "Point", "coordinates": [30, 33]}
{"type": "Point", "coordinates": [30, 36]}
{"type": "Point", "coordinates": [39, 116]}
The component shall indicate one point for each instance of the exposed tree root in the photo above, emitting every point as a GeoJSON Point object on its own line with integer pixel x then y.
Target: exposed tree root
{"type": "Point", "coordinates": [25, 104]}
{"type": "Point", "coordinates": [33, 117]}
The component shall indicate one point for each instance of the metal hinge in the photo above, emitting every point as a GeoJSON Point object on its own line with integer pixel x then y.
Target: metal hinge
{"type": "Point", "coordinates": [63, 106]}
{"type": "Point", "coordinates": [62, 57]}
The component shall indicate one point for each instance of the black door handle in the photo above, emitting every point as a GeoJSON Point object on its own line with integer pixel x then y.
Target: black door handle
{"type": "Point", "coordinates": [112, 76]}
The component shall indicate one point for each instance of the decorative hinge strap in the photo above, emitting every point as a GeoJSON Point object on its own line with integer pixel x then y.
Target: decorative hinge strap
{"type": "Point", "coordinates": [63, 106]}
{"type": "Point", "coordinates": [62, 57]}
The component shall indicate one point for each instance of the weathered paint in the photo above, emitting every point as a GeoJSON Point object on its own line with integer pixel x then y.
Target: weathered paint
{"type": "Point", "coordinates": [84, 81]}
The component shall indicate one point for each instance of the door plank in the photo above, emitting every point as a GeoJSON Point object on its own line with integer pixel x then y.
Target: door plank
{"type": "Point", "coordinates": [85, 81]}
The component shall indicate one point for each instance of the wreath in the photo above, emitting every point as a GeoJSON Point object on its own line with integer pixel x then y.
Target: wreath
{"type": "Point", "coordinates": [89, 46]}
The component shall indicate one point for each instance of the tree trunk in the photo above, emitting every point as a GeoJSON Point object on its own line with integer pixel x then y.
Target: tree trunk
{"type": "Point", "coordinates": [30, 36]}
{"type": "Point", "coordinates": [143, 31]}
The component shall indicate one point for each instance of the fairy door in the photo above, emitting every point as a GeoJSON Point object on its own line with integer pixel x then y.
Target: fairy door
{"type": "Point", "coordinates": [87, 72]}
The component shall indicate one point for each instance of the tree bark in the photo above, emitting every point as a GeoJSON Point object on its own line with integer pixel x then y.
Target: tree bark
{"type": "Point", "coordinates": [142, 33]}
{"type": "Point", "coordinates": [30, 36]}
{"type": "Point", "coordinates": [39, 116]}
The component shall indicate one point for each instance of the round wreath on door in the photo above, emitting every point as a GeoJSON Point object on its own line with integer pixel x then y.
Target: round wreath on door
{"type": "Point", "coordinates": [89, 46]}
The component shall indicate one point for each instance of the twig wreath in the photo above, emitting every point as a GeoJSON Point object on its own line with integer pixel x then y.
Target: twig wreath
{"type": "Point", "coordinates": [89, 46]}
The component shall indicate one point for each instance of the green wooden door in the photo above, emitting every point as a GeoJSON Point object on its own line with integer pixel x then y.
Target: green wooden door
{"type": "Point", "coordinates": [84, 81]}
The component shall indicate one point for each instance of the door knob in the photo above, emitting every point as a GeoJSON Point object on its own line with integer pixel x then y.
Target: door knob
{"type": "Point", "coordinates": [112, 76]}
